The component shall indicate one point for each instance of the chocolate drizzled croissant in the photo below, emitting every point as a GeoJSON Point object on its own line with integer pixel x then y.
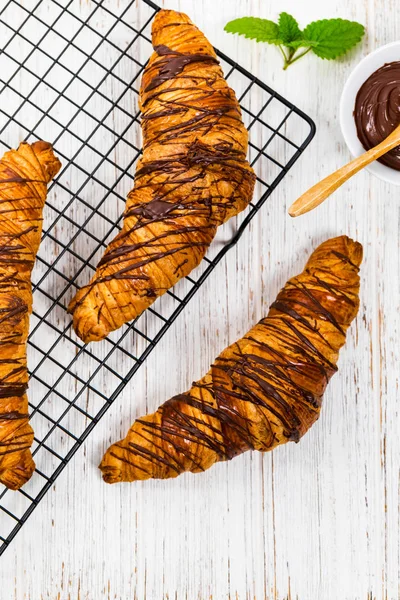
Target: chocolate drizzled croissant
{"type": "Point", "coordinates": [264, 390]}
{"type": "Point", "coordinates": [24, 175]}
{"type": "Point", "coordinates": [192, 177]}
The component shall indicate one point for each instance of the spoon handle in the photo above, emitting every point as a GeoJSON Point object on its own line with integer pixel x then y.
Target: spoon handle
{"type": "Point", "coordinates": [321, 190]}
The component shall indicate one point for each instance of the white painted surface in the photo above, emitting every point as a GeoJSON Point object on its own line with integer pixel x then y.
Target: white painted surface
{"type": "Point", "coordinates": [313, 521]}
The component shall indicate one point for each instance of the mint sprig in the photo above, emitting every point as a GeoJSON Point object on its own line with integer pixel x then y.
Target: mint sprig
{"type": "Point", "coordinates": [328, 38]}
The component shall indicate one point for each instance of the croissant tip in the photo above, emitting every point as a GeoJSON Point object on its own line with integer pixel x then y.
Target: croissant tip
{"type": "Point", "coordinates": [41, 146]}
{"type": "Point", "coordinates": [166, 14]}
{"type": "Point", "coordinates": [85, 330]}
{"type": "Point", "coordinates": [344, 244]}
{"type": "Point", "coordinates": [168, 11]}
{"type": "Point", "coordinates": [49, 161]}
{"type": "Point", "coordinates": [88, 332]}
{"type": "Point", "coordinates": [93, 335]}
{"type": "Point", "coordinates": [15, 477]}
{"type": "Point", "coordinates": [109, 473]}
{"type": "Point", "coordinates": [354, 250]}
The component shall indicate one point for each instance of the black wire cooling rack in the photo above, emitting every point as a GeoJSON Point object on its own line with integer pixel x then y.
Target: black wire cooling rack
{"type": "Point", "coordinates": [70, 74]}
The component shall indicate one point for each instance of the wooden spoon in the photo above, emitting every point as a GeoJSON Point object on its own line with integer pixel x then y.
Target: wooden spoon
{"type": "Point", "coordinates": [320, 191]}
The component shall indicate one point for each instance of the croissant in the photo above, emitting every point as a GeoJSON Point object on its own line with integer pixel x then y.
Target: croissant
{"type": "Point", "coordinates": [24, 175]}
{"type": "Point", "coordinates": [193, 176]}
{"type": "Point", "coordinates": [264, 390]}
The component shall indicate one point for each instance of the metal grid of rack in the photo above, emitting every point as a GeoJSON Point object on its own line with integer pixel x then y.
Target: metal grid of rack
{"type": "Point", "coordinates": [91, 116]}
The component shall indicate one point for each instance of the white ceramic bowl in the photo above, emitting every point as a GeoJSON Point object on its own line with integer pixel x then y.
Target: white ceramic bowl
{"type": "Point", "coordinates": [369, 64]}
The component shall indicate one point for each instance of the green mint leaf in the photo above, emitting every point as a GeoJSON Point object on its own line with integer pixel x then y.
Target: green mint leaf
{"type": "Point", "coordinates": [333, 37]}
{"type": "Point", "coordinates": [254, 28]}
{"type": "Point", "coordinates": [288, 29]}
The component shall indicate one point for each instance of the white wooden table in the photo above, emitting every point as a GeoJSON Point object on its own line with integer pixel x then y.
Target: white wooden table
{"type": "Point", "coordinates": [313, 521]}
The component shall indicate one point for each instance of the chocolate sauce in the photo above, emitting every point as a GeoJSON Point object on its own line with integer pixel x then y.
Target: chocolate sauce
{"type": "Point", "coordinates": [172, 64]}
{"type": "Point", "coordinates": [377, 110]}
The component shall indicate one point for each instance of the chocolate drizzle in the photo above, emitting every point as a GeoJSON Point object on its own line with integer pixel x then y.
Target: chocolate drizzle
{"type": "Point", "coordinates": [13, 416]}
{"type": "Point", "coordinates": [156, 209]}
{"type": "Point", "coordinates": [172, 63]}
{"type": "Point", "coordinates": [7, 390]}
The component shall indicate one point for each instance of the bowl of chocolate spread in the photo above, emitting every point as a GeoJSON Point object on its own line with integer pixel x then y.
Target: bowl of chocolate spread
{"type": "Point", "coordinates": [370, 108]}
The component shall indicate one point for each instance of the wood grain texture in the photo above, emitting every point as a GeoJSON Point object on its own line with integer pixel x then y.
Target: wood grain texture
{"type": "Point", "coordinates": [316, 520]}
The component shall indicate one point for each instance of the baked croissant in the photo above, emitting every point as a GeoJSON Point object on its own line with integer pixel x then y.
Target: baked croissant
{"type": "Point", "coordinates": [193, 176]}
{"type": "Point", "coordinates": [24, 175]}
{"type": "Point", "coordinates": [264, 390]}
